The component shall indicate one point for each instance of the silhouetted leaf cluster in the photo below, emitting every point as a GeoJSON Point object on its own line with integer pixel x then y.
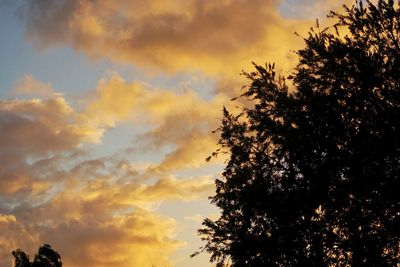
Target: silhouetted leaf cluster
{"type": "Point", "coordinates": [313, 173]}
{"type": "Point", "coordinates": [46, 257]}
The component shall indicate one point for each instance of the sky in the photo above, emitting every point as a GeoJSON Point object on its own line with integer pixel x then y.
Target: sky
{"type": "Point", "coordinates": [107, 112]}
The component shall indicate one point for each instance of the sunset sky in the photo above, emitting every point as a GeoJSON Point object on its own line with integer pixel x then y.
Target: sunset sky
{"type": "Point", "coordinates": [106, 116]}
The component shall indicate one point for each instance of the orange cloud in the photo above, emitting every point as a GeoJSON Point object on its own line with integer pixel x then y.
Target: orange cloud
{"type": "Point", "coordinates": [114, 101]}
{"type": "Point", "coordinates": [184, 121]}
{"type": "Point", "coordinates": [100, 218]}
{"type": "Point", "coordinates": [34, 135]}
{"type": "Point", "coordinates": [171, 35]}
{"type": "Point", "coordinates": [29, 85]}
{"type": "Point", "coordinates": [12, 235]}
{"type": "Point", "coordinates": [97, 212]}
{"type": "Point", "coordinates": [139, 238]}
{"type": "Point", "coordinates": [36, 126]}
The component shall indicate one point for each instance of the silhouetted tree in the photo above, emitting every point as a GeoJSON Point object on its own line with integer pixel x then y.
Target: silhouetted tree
{"type": "Point", "coordinates": [21, 259]}
{"type": "Point", "coordinates": [313, 174]}
{"type": "Point", "coordinates": [46, 257]}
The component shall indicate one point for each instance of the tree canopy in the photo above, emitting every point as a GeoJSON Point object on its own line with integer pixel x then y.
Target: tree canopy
{"type": "Point", "coordinates": [313, 172]}
{"type": "Point", "coordinates": [46, 257]}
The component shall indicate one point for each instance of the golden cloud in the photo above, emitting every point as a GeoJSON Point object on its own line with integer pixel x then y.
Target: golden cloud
{"type": "Point", "coordinates": [29, 85]}
{"type": "Point", "coordinates": [97, 212]}
{"type": "Point", "coordinates": [34, 135]}
{"type": "Point", "coordinates": [114, 101]}
{"type": "Point", "coordinates": [138, 238]}
{"type": "Point", "coordinates": [217, 37]}
{"type": "Point", "coordinates": [184, 120]}
{"type": "Point", "coordinates": [102, 221]}
{"type": "Point", "coordinates": [12, 235]}
{"type": "Point", "coordinates": [39, 126]}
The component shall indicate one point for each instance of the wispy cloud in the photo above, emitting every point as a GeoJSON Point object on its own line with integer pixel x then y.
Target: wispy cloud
{"type": "Point", "coordinates": [29, 85]}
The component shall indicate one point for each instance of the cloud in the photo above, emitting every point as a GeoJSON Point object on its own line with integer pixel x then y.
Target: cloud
{"type": "Point", "coordinates": [180, 121]}
{"type": "Point", "coordinates": [12, 234]}
{"type": "Point", "coordinates": [113, 101]}
{"type": "Point", "coordinates": [139, 238]}
{"type": "Point", "coordinates": [35, 135]}
{"type": "Point", "coordinates": [99, 211]}
{"type": "Point", "coordinates": [171, 36]}
{"type": "Point", "coordinates": [97, 216]}
{"type": "Point", "coordinates": [29, 85]}
{"type": "Point", "coordinates": [100, 218]}
{"type": "Point", "coordinates": [37, 126]}
{"type": "Point", "coordinates": [171, 188]}
{"type": "Point", "coordinates": [186, 127]}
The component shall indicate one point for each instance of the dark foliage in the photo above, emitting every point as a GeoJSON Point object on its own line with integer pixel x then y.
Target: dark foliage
{"type": "Point", "coordinates": [313, 174]}
{"type": "Point", "coordinates": [21, 259]}
{"type": "Point", "coordinates": [46, 257]}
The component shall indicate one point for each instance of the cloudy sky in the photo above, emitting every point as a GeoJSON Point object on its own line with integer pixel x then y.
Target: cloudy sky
{"type": "Point", "coordinates": [106, 116]}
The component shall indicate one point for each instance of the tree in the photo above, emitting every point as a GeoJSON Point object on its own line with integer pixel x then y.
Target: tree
{"type": "Point", "coordinates": [313, 172]}
{"type": "Point", "coordinates": [46, 257]}
{"type": "Point", "coordinates": [21, 259]}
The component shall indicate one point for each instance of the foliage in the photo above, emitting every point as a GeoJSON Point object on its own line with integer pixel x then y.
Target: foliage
{"type": "Point", "coordinates": [46, 257]}
{"type": "Point", "coordinates": [313, 174]}
{"type": "Point", "coordinates": [21, 259]}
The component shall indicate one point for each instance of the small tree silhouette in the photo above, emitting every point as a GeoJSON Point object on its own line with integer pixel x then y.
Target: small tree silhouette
{"type": "Point", "coordinates": [46, 257]}
{"type": "Point", "coordinates": [21, 259]}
